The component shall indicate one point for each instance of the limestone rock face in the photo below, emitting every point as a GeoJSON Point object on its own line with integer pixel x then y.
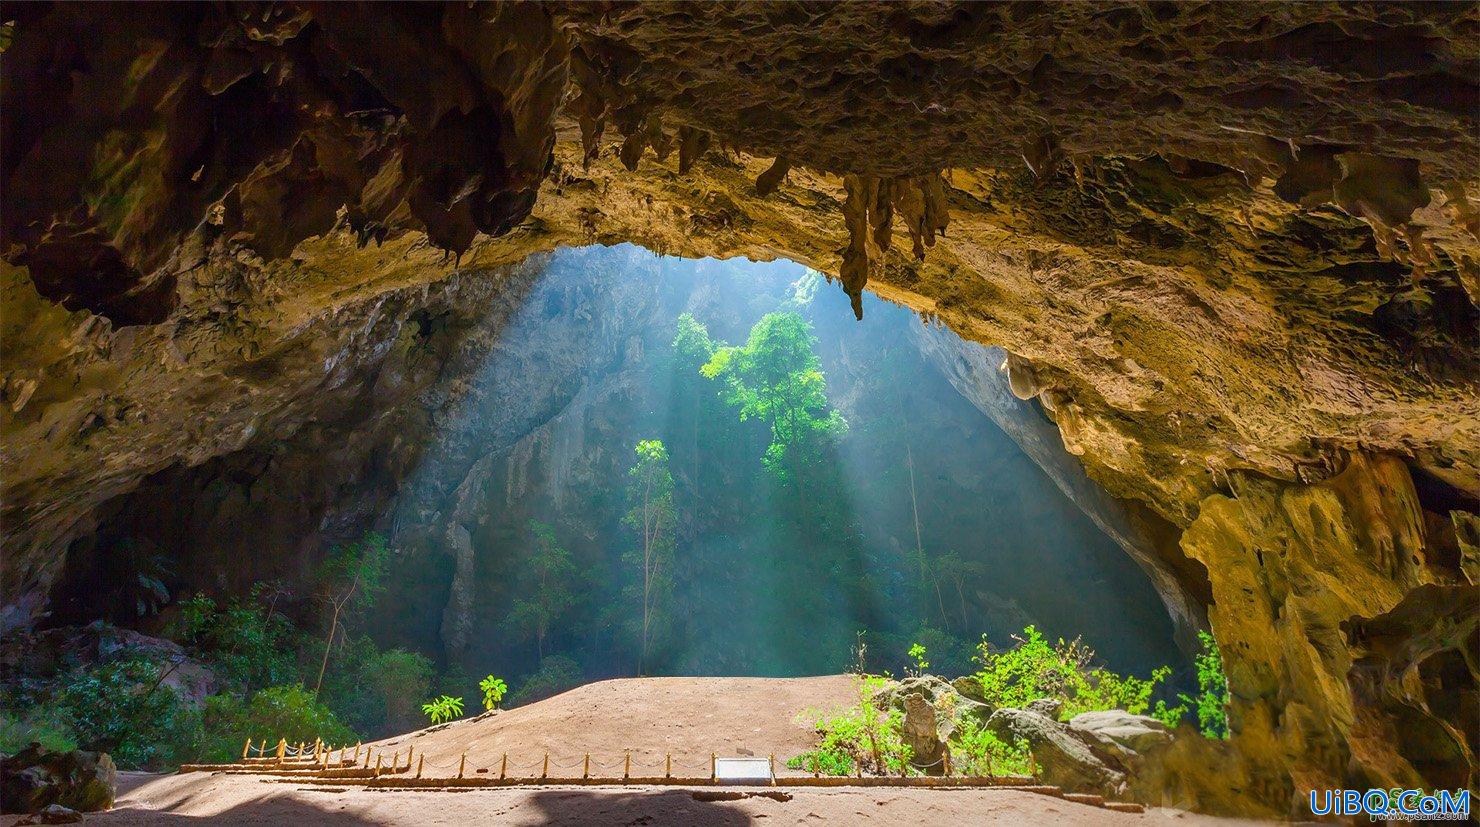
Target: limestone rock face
{"type": "Point", "coordinates": [1327, 598]}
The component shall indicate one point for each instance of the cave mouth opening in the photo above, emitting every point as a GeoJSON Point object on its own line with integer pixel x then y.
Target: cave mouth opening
{"type": "Point", "coordinates": [822, 482]}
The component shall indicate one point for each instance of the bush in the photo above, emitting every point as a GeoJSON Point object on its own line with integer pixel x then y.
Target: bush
{"type": "Point", "coordinates": [1037, 669]}
{"type": "Point", "coordinates": [290, 712]}
{"type": "Point", "coordinates": [443, 709]}
{"type": "Point", "coordinates": [122, 708]}
{"type": "Point", "coordinates": [976, 750]}
{"type": "Point", "coordinates": [247, 644]}
{"type": "Point", "coordinates": [1211, 702]}
{"type": "Point", "coordinates": [861, 737]}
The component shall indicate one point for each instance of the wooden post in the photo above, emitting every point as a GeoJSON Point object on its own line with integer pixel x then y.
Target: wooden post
{"type": "Point", "coordinates": [668, 766]}
{"type": "Point", "coordinates": [262, 749]}
{"type": "Point", "coordinates": [246, 749]}
{"type": "Point", "coordinates": [545, 773]}
{"type": "Point", "coordinates": [858, 768]}
{"type": "Point", "coordinates": [586, 770]}
{"type": "Point", "coordinates": [377, 763]}
{"type": "Point", "coordinates": [282, 749]}
{"type": "Point", "coordinates": [713, 773]}
{"type": "Point", "coordinates": [627, 767]}
{"type": "Point", "coordinates": [462, 764]}
{"type": "Point", "coordinates": [948, 762]}
{"type": "Point", "coordinates": [357, 752]}
{"type": "Point", "coordinates": [409, 750]}
{"type": "Point", "coordinates": [395, 762]}
{"type": "Point", "coordinates": [503, 766]}
{"type": "Point", "coordinates": [773, 769]}
{"type": "Point", "coordinates": [318, 746]}
{"type": "Point", "coordinates": [419, 764]}
{"type": "Point", "coordinates": [300, 750]}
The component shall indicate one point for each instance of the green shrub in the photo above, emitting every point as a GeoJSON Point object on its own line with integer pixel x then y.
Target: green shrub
{"type": "Point", "coordinates": [289, 712]}
{"type": "Point", "coordinates": [1037, 669]}
{"type": "Point", "coordinates": [493, 690]}
{"type": "Point", "coordinates": [861, 737]}
{"type": "Point", "coordinates": [443, 709]}
{"type": "Point", "coordinates": [1211, 702]}
{"type": "Point", "coordinates": [122, 708]}
{"type": "Point", "coordinates": [247, 644]}
{"type": "Point", "coordinates": [976, 750]}
{"type": "Point", "coordinates": [43, 724]}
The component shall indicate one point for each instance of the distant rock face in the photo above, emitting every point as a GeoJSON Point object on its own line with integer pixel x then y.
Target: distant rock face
{"type": "Point", "coordinates": [36, 778]}
{"type": "Point", "coordinates": [1231, 248]}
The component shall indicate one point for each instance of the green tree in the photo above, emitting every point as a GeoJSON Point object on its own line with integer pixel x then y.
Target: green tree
{"type": "Point", "coordinates": [776, 378]}
{"type": "Point", "coordinates": [651, 515]}
{"type": "Point", "coordinates": [547, 585]}
{"type": "Point", "coordinates": [349, 581]}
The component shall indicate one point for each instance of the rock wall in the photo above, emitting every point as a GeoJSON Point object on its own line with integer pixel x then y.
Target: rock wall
{"type": "Point", "coordinates": [1348, 631]}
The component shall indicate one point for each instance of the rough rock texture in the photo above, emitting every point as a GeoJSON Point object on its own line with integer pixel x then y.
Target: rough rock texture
{"type": "Point", "coordinates": [1311, 585]}
{"type": "Point", "coordinates": [1128, 737]}
{"type": "Point", "coordinates": [1063, 756]}
{"type": "Point", "coordinates": [933, 710]}
{"type": "Point", "coordinates": [37, 777]}
{"type": "Point", "coordinates": [1231, 250]}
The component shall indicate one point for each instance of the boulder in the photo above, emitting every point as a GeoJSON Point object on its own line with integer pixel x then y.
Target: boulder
{"type": "Point", "coordinates": [37, 777]}
{"type": "Point", "coordinates": [1128, 737]}
{"type": "Point", "coordinates": [1065, 758]}
{"type": "Point", "coordinates": [933, 710]}
{"type": "Point", "coordinates": [921, 733]}
{"type": "Point", "coordinates": [1049, 708]}
{"type": "Point", "coordinates": [52, 814]}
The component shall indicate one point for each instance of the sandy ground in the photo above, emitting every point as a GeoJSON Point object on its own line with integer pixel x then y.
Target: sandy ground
{"type": "Point", "coordinates": [202, 798]}
{"type": "Point", "coordinates": [652, 717]}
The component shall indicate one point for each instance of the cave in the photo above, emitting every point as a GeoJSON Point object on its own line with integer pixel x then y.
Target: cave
{"type": "Point", "coordinates": [1165, 313]}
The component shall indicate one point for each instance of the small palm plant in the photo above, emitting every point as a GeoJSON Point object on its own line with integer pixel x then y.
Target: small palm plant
{"type": "Point", "coordinates": [493, 691]}
{"type": "Point", "coordinates": [444, 708]}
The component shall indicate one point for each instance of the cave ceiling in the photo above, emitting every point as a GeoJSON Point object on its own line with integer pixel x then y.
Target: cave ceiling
{"type": "Point", "coordinates": [1213, 236]}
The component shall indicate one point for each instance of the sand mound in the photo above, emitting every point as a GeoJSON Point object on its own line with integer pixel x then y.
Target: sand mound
{"type": "Point", "coordinates": [651, 718]}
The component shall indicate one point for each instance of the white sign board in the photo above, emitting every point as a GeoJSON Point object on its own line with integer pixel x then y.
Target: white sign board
{"type": "Point", "coordinates": [742, 770]}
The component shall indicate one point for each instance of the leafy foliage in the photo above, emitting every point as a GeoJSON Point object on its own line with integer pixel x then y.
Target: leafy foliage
{"type": "Point", "coordinates": [976, 750]}
{"type": "Point", "coordinates": [493, 691]}
{"type": "Point", "coordinates": [248, 644]}
{"type": "Point", "coordinates": [919, 665]}
{"type": "Point", "coordinates": [776, 378]}
{"type": "Point", "coordinates": [858, 738]}
{"type": "Point", "coordinates": [1037, 669]}
{"type": "Point", "coordinates": [121, 707]}
{"type": "Point", "coordinates": [1211, 703]}
{"type": "Point", "coordinates": [546, 582]}
{"type": "Point", "coordinates": [444, 708]}
{"type": "Point", "coordinates": [290, 712]}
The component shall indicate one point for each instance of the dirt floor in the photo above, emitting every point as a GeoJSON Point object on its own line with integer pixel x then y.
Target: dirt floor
{"type": "Point", "coordinates": [199, 798]}
{"type": "Point", "coordinates": [688, 718]}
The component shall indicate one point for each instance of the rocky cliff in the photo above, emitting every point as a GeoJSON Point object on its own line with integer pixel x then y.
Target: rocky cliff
{"type": "Point", "coordinates": [1231, 250]}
